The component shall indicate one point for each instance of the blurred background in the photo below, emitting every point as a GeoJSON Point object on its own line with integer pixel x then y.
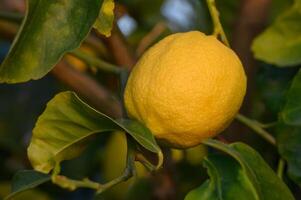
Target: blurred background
{"type": "Point", "coordinates": [141, 23]}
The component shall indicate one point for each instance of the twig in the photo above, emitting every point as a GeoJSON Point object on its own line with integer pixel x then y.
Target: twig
{"type": "Point", "coordinates": [97, 62]}
{"type": "Point", "coordinates": [150, 37]}
{"type": "Point", "coordinates": [120, 49]}
{"type": "Point", "coordinates": [217, 26]}
{"type": "Point", "coordinates": [95, 94]}
{"type": "Point", "coordinates": [255, 126]}
{"type": "Point", "coordinates": [280, 169]}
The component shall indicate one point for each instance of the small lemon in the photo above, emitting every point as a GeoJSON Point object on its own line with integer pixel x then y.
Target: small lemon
{"type": "Point", "coordinates": [186, 88]}
{"type": "Point", "coordinates": [115, 163]}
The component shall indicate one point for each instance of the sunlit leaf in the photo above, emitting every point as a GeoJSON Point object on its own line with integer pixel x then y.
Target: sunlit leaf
{"type": "Point", "coordinates": [243, 175]}
{"type": "Point", "coordinates": [280, 44]}
{"type": "Point", "coordinates": [67, 123]}
{"type": "Point", "coordinates": [105, 19]}
{"type": "Point", "coordinates": [49, 30]}
{"type": "Point", "coordinates": [25, 180]}
{"type": "Point", "coordinates": [140, 133]}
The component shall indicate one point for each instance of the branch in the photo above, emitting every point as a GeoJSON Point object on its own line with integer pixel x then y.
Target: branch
{"type": "Point", "coordinates": [120, 49]}
{"type": "Point", "coordinates": [97, 62]}
{"type": "Point", "coordinates": [150, 38]}
{"type": "Point", "coordinates": [89, 89]}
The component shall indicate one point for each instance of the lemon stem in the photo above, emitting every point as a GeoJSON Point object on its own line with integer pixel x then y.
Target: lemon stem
{"type": "Point", "coordinates": [256, 127]}
{"type": "Point", "coordinates": [217, 26]}
{"type": "Point", "coordinates": [96, 62]}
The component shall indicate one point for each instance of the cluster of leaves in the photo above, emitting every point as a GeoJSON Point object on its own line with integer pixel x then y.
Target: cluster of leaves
{"type": "Point", "coordinates": [68, 123]}
{"type": "Point", "coordinates": [284, 50]}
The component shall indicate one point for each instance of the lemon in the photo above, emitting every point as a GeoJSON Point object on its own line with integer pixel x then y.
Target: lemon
{"type": "Point", "coordinates": [186, 88]}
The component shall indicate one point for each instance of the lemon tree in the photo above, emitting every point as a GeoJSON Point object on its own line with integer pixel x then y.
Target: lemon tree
{"type": "Point", "coordinates": [167, 109]}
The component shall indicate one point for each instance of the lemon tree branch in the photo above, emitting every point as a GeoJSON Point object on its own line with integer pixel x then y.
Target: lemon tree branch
{"type": "Point", "coordinates": [97, 62]}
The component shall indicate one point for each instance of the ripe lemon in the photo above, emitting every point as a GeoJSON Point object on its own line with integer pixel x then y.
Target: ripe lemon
{"type": "Point", "coordinates": [186, 88]}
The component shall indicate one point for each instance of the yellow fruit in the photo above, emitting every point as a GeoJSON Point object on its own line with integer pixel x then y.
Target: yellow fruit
{"type": "Point", "coordinates": [177, 155]}
{"type": "Point", "coordinates": [195, 155]}
{"type": "Point", "coordinates": [186, 88]}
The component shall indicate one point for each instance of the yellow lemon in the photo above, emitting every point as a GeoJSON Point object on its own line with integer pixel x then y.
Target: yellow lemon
{"type": "Point", "coordinates": [186, 88]}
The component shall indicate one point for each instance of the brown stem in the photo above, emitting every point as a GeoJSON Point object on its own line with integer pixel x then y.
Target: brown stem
{"type": "Point", "coordinates": [251, 21]}
{"type": "Point", "coordinates": [150, 38]}
{"type": "Point", "coordinates": [120, 50]}
{"type": "Point", "coordinates": [95, 94]}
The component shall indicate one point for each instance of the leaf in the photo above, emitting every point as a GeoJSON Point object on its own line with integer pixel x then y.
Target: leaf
{"type": "Point", "coordinates": [140, 133]}
{"type": "Point", "coordinates": [49, 30]}
{"type": "Point", "coordinates": [67, 123]}
{"type": "Point", "coordinates": [25, 180]}
{"type": "Point", "coordinates": [280, 44]}
{"type": "Point", "coordinates": [289, 147]}
{"type": "Point", "coordinates": [105, 19]}
{"type": "Point", "coordinates": [230, 185]}
{"type": "Point", "coordinates": [244, 175]}
{"type": "Point", "coordinates": [291, 113]}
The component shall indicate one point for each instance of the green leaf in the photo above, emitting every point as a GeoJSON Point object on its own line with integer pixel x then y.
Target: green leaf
{"type": "Point", "coordinates": [291, 113]}
{"type": "Point", "coordinates": [49, 30]}
{"type": "Point", "coordinates": [289, 147]}
{"type": "Point", "coordinates": [233, 184]}
{"type": "Point", "coordinates": [140, 133]}
{"type": "Point", "coordinates": [67, 123]}
{"type": "Point", "coordinates": [105, 19]}
{"type": "Point", "coordinates": [244, 175]}
{"type": "Point", "coordinates": [280, 44]}
{"type": "Point", "coordinates": [25, 180]}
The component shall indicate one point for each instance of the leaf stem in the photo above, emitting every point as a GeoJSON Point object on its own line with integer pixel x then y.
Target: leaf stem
{"type": "Point", "coordinates": [93, 61]}
{"type": "Point", "coordinates": [217, 26]}
{"type": "Point", "coordinates": [280, 169]}
{"type": "Point", "coordinates": [256, 127]}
